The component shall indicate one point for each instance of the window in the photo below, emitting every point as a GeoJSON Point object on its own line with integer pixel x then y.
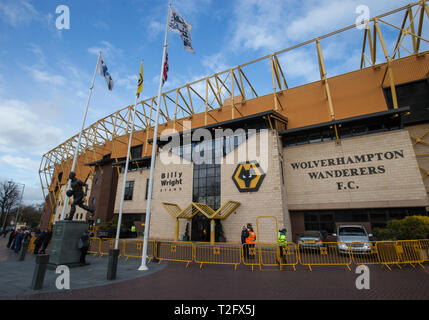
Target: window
{"type": "Point", "coordinates": [327, 220]}
{"type": "Point", "coordinates": [206, 188]}
{"type": "Point", "coordinates": [129, 188]}
{"type": "Point", "coordinates": [147, 188]}
{"type": "Point", "coordinates": [136, 152]}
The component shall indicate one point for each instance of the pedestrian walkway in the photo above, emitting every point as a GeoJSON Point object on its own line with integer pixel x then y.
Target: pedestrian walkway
{"type": "Point", "coordinates": [16, 276]}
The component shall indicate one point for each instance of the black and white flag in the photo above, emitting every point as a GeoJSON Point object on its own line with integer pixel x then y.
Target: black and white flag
{"type": "Point", "coordinates": [179, 25]}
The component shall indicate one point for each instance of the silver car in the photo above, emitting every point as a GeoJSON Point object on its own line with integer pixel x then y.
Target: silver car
{"type": "Point", "coordinates": [310, 240]}
{"type": "Point", "coordinates": [353, 238]}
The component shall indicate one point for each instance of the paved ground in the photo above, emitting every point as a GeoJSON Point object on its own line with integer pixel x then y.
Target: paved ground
{"type": "Point", "coordinates": [173, 281]}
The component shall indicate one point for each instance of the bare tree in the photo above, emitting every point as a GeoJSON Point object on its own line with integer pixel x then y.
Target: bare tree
{"type": "Point", "coordinates": [9, 197]}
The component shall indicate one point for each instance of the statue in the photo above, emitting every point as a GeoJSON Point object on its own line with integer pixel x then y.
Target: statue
{"type": "Point", "coordinates": [78, 195]}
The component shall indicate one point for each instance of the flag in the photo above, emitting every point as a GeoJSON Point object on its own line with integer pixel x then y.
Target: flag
{"type": "Point", "coordinates": [140, 83]}
{"type": "Point", "coordinates": [179, 25]}
{"type": "Point", "coordinates": [165, 70]}
{"type": "Point", "coordinates": [102, 70]}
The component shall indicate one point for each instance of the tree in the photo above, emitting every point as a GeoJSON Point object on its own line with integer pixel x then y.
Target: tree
{"type": "Point", "coordinates": [30, 215]}
{"type": "Point", "coordinates": [409, 228]}
{"type": "Point", "coordinates": [9, 197]}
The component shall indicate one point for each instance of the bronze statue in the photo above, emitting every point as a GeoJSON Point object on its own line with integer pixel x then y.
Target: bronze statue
{"type": "Point", "coordinates": [78, 195]}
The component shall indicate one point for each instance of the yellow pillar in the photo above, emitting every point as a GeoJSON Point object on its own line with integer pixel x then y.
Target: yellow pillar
{"type": "Point", "coordinates": [212, 231]}
{"type": "Point", "coordinates": [176, 230]}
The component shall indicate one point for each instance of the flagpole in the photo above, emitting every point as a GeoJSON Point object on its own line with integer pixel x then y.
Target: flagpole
{"type": "Point", "coordinates": [80, 136]}
{"type": "Point", "coordinates": [118, 229]}
{"type": "Point", "coordinates": [143, 265]}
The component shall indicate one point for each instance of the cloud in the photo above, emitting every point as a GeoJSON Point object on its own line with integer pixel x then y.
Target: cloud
{"type": "Point", "coordinates": [46, 77]}
{"type": "Point", "coordinates": [155, 28]}
{"type": "Point", "coordinates": [20, 162]}
{"type": "Point", "coordinates": [17, 12]}
{"type": "Point", "coordinates": [107, 49]}
{"type": "Point", "coordinates": [38, 52]}
{"type": "Point", "coordinates": [189, 8]}
{"type": "Point", "coordinates": [215, 62]}
{"type": "Point", "coordinates": [23, 130]}
{"type": "Point", "coordinates": [258, 26]}
{"type": "Point", "coordinates": [128, 82]}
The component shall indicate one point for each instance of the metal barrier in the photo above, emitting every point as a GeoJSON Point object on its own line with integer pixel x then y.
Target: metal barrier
{"type": "Point", "coordinates": [269, 254]}
{"type": "Point", "coordinates": [409, 252]}
{"type": "Point", "coordinates": [180, 251]}
{"type": "Point", "coordinates": [133, 248]}
{"type": "Point", "coordinates": [94, 246]}
{"type": "Point", "coordinates": [288, 255]}
{"type": "Point", "coordinates": [424, 244]}
{"type": "Point", "coordinates": [364, 253]}
{"type": "Point", "coordinates": [106, 244]}
{"type": "Point", "coordinates": [251, 255]}
{"type": "Point", "coordinates": [228, 253]}
{"type": "Point", "coordinates": [387, 253]}
{"type": "Point", "coordinates": [324, 254]}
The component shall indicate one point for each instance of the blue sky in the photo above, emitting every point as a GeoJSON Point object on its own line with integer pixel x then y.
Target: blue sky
{"type": "Point", "coordinates": [45, 73]}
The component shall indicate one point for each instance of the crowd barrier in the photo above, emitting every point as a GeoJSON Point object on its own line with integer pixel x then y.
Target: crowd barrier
{"type": "Point", "coordinates": [251, 254]}
{"type": "Point", "coordinates": [308, 254]}
{"type": "Point", "coordinates": [425, 249]}
{"type": "Point", "coordinates": [179, 251]}
{"type": "Point", "coordinates": [218, 253]}
{"type": "Point", "coordinates": [324, 254]}
{"type": "Point", "coordinates": [288, 255]}
{"type": "Point", "coordinates": [134, 248]}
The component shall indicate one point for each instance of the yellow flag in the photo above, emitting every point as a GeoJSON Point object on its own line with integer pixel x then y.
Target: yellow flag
{"type": "Point", "coordinates": [140, 83]}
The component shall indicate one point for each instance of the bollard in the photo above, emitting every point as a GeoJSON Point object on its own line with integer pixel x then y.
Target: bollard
{"type": "Point", "coordinates": [40, 271]}
{"type": "Point", "coordinates": [112, 264]}
{"type": "Point", "coordinates": [23, 251]}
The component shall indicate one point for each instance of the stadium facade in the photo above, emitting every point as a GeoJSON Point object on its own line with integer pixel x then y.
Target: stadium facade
{"type": "Point", "coordinates": [353, 148]}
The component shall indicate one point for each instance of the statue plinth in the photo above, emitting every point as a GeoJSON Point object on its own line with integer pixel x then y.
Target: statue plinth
{"type": "Point", "coordinates": [64, 248]}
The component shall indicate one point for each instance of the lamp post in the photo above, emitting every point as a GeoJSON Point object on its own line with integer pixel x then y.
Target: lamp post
{"type": "Point", "coordinates": [20, 202]}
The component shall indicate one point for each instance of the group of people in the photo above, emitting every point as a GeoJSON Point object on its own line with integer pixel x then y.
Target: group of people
{"type": "Point", "coordinates": [18, 237]}
{"type": "Point", "coordinates": [248, 237]}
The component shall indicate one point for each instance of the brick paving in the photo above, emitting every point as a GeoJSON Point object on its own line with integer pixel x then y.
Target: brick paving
{"type": "Point", "coordinates": [217, 282]}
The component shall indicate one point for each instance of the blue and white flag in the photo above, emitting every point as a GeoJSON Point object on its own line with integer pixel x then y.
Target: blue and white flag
{"type": "Point", "coordinates": [102, 70]}
{"type": "Point", "coordinates": [179, 25]}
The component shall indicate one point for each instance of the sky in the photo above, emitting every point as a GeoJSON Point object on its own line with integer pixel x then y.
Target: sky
{"type": "Point", "coordinates": [45, 73]}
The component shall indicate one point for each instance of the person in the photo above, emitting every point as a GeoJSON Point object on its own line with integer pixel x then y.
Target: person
{"type": "Point", "coordinates": [282, 242]}
{"type": "Point", "coordinates": [83, 245]}
{"type": "Point", "coordinates": [78, 195]}
{"type": "Point", "coordinates": [45, 242]}
{"type": "Point", "coordinates": [18, 241]}
{"type": "Point", "coordinates": [27, 236]}
{"type": "Point", "coordinates": [250, 240]}
{"type": "Point", "coordinates": [11, 238]}
{"type": "Point", "coordinates": [133, 228]}
{"type": "Point", "coordinates": [39, 241]}
{"type": "Point", "coordinates": [244, 235]}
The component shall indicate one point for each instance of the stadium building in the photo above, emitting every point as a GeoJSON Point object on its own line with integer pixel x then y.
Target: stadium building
{"type": "Point", "coordinates": [348, 148]}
